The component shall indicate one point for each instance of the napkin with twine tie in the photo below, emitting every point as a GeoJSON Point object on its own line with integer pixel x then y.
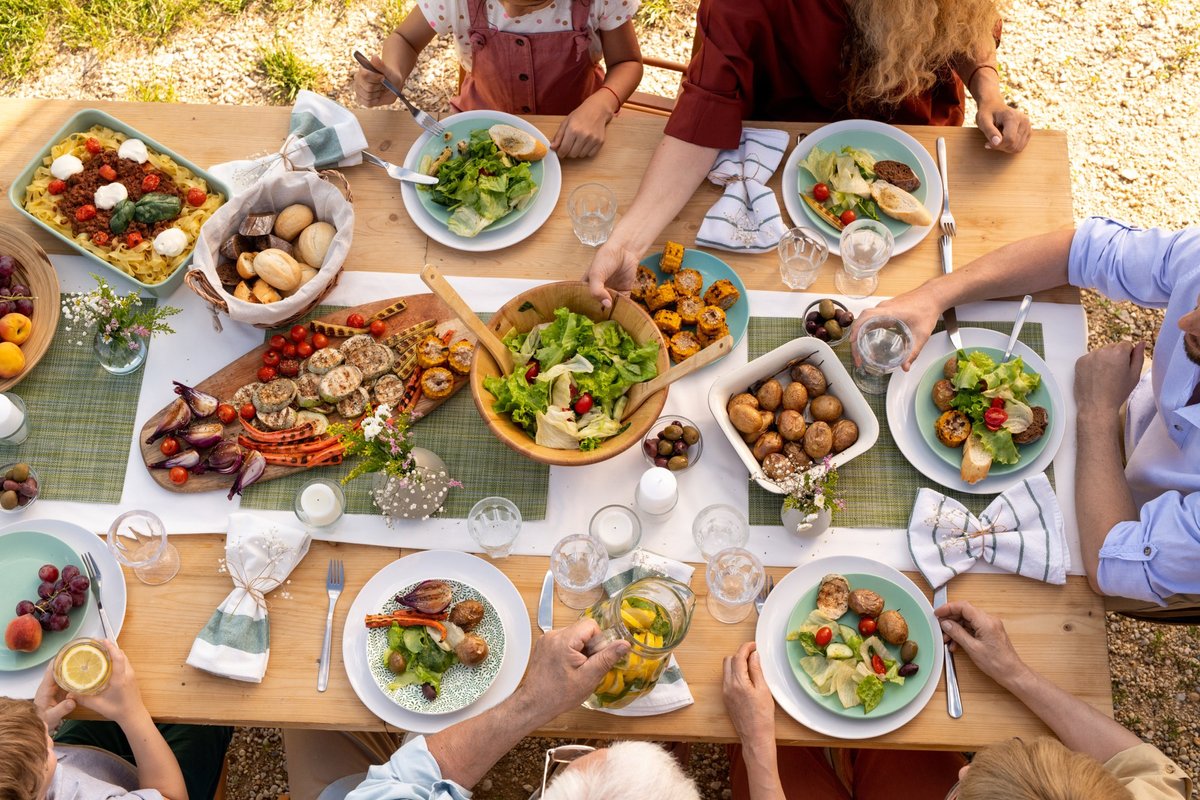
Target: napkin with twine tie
{"type": "Point", "coordinates": [259, 556]}
{"type": "Point", "coordinates": [1021, 531]}
{"type": "Point", "coordinates": [746, 218]}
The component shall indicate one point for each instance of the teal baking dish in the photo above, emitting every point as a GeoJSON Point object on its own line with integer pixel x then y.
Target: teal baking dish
{"type": "Point", "coordinates": [83, 121]}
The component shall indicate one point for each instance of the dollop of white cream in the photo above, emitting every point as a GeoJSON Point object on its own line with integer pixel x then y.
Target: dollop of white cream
{"type": "Point", "coordinates": [134, 150]}
{"type": "Point", "coordinates": [66, 166]}
{"type": "Point", "coordinates": [170, 242]}
{"type": "Point", "coordinates": [110, 194]}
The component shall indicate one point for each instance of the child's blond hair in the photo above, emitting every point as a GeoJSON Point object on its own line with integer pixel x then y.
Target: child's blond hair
{"type": "Point", "coordinates": [22, 750]}
{"type": "Point", "coordinates": [1043, 769]}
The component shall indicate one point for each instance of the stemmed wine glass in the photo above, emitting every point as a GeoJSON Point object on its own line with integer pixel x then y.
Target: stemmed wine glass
{"type": "Point", "coordinates": [883, 343]}
{"type": "Point", "coordinates": [139, 541]}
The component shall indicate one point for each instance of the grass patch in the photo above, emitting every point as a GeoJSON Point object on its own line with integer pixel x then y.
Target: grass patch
{"type": "Point", "coordinates": [653, 13]}
{"type": "Point", "coordinates": [152, 91]}
{"type": "Point", "coordinates": [393, 13]}
{"type": "Point", "coordinates": [98, 23]}
{"type": "Point", "coordinates": [23, 26]}
{"type": "Point", "coordinates": [288, 73]}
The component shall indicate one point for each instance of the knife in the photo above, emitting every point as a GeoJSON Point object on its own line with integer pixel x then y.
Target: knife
{"type": "Point", "coordinates": [949, 318]}
{"type": "Point", "coordinates": [953, 699]}
{"type": "Point", "coordinates": [546, 604]}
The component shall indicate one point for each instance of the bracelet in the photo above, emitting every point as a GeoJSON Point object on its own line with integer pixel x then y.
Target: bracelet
{"type": "Point", "coordinates": [615, 96]}
{"type": "Point", "coordinates": [971, 77]}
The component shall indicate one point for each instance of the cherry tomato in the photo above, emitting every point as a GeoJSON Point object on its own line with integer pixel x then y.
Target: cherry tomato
{"type": "Point", "coordinates": [289, 367]}
{"type": "Point", "coordinates": [848, 216]}
{"type": "Point", "coordinates": [247, 411]}
{"type": "Point", "coordinates": [298, 333]}
{"type": "Point", "coordinates": [356, 321]}
{"type": "Point", "coordinates": [824, 636]}
{"type": "Point", "coordinates": [584, 404]}
{"type": "Point", "coordinates": [378, 329]}
{"type": "Point", "coordinates": [150, 182]}
{"type": "Point", "coordinates": [995, 418]}
{"type": "Point", "coordinates": [877, 665]}
{"type": "Point", "coordinates": [866, 626]}
{"type": "Point", "coordinates": [997, 402]}
{"type": "Point", "coordinates": [56, 186]}
{"type": "Point", "coordinates": [277, 342]}
{"type": "Point", "coordinates": [100, 238]}
{"type": "Point", "coordinates": [107, 172]}
{"type": "Point", "coordinates": [93, 145]}
{"type": "Point", "coordinates": [196, 196]}
{"type": "Point", "coordinates": [304, 349]}
{"type": "Point", "coordinates": [179, 475]}
{"type": "Point", "coordinates": [289, 350]}
{"type": "Point", "coordinates": [532, 371]}
{"type": "Point", "coordinates": [169, 446]}
{"type": "Point", "coordinates": [226, 413]}
{"type": "Point", "coordinates": [133, 239]}
{"type": "Point", "coordinates": [320, 340]}
{"type": "Point", "coordinates": [85, 212]}
{"type": "Point", "coordinates": [821, 192]}
{"type": "Point", "coordinates": [270, 358]}
{"type": "Point", "coordinates": [267, 374]}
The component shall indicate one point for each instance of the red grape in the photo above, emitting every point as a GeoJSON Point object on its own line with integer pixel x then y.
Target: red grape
{"type": "Point", "coordinates": [61, 604]}
{"type": "Point", "coordinates": [69, 571]}
{"type": "Point", "coordinates": [59, 585]}
{"type": "Point", "coordinates": [7, 265]}
{"type": "Point", "coordinates": [78, 599]}
{"type": "Point", "coordinates": [59, 622]}
{"type": "Point", "coordinates": [79, 584]}
{"type": "Point", "coordinates": [25, 607]}
{"type": "Point", "coordinates": [45, 589]}
{"type": "Point", "coordinates": [25, 307]}
{"type": "Point", "coordinates": [20, 290]}
{"type": "Point", "coordinates": [48, 572]}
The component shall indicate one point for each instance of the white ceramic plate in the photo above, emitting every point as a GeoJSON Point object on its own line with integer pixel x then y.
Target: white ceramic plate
{"type": "Point", "coordinates": [841, 385]}
{"type": "Point", "coordinates": [23, 683]}
{"type": "Point", "coordinates": [464, 567]}
{"type": "Point", "coordinates": [771, 633]}
{"type": "Point", "coordinates": [901, 414]}
{"type": "Point", "coordinates": [827, 137]}
{"type": "Point", "coordinates": [543, 202]}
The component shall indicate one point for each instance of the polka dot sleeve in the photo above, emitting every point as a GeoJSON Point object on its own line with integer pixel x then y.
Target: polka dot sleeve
{"type": "Point", "coordinates": [608, 15]}
{"type": "Point", "coordinates": [441, 14]}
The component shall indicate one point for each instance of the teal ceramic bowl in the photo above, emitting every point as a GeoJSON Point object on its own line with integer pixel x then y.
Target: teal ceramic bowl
{"type": "Point", "coordinates": [883, 148]}
{"type": "Point", "coordinates": [83, 121]}
{"type": "Point", "coordinates": [927, 414]}
{"type": "Point", "coordinates": [22, 554]}
{"type": "Point", "coordinates": [712, 269]}
{"type": "Point", "coordinates": [919, 630]}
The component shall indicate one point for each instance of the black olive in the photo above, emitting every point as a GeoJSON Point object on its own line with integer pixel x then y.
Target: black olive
{"type": "Point", "coordinates": [428, 690]}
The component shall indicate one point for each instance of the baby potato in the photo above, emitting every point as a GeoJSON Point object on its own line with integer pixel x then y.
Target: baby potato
{"type": "Point", "coordinates": [818, 440]}
{"type": "Point", "coordinates": [866, 603]}
{"type": "Point", "coordinates": [943, 393]}
{"type": "Point", "coordinates": [812, 379]}
{"type": "Point", "coordinates": [745, 417]}
{"type": "Point", "coordinates": [950, 368]}
{"type": "Point", "coordinates": [770, 395]}
{"type": "Point", "coordinates": [826, 408]}
{"type": "Point", "coordinates": [767, 417]}
{"type": "Point", "coordinates": [892, 627]}
{"type": "Point", "coordinates": [792, 425]}
{"type": "Point", "coordinates": [770, 442]}
{"type": "Point", "coordinates": [796, 454]}
{"type": "Point", "coordinates": [845, 434]}
{"type": "Point", "coordinates": [795, 397]}
{"type": "Point", "coordinates": [777, 466]}
{"type": "Point", "coordinates": [744, 397]}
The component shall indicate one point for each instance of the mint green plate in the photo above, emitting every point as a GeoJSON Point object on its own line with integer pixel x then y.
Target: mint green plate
{"type": "Point", "coordinates": [927, 414]}
{"type": "Point", "coordinates": [712, 269]}
{"type": "Point", "coordinates": [462, 130]}
{"type": "Point", "coordinates": [22, 554]}
{"type": "Point", "coordinates": [883, 148]}
{"type": "Point", "coordinates": [896, 599]}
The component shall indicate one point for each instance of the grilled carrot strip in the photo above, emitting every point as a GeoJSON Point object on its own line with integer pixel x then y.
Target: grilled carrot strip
{"type": "Point", "coordinates": [322, 458]}
{"type": "Point", "coordinates": [448, 336]}
{"type": "Point", "coordinates": [295, 434]}
{"type": "Point", "coordinates": [312, 446]}
{"type": "Point", "coordinates": [381, 621]}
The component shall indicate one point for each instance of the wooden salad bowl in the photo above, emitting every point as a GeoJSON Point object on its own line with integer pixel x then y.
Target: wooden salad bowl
{"type": "Point", "coordinates": [36, 272]}
{"type": "Point", "coordinates": [537, 306]}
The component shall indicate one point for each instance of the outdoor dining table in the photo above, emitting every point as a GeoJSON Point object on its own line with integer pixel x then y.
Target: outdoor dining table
{"type": "Point", "coordinates": [1059, 630]}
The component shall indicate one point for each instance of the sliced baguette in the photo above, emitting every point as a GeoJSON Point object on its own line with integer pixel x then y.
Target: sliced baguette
{"type": "Point", "coordinates": [976, 460]}
{"type": "Point", "coordinates": [899, 204]}
{"type": "Point", "coordinates": [518, 143]}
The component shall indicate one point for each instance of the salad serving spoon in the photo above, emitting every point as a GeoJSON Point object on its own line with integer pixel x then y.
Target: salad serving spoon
{"type": "Point", "coordinates": [1022, 313]}
{"type": "Point", "coordinates": [438, 284]}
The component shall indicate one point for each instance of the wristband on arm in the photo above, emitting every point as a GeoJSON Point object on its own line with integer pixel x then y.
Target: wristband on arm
{"type": "Point", "coordinates": [615, 97]}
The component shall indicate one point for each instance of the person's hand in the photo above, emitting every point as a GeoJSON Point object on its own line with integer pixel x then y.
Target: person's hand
{"type": "Point", "coordinates": [561, 675]}
{"type": "Point", "coordinates": [613, 267]}
{"type": "Point", "coordinates": [982, 637]}
{"type": "Point", "coordinates": [368, 85]}
{"type": "Point", "coordinates": [1105, 377]}
{"type": "Point", "coordinates": [121, 699]}
{"type": "Point", "coordinates": [914, 309]}
{"type": "Point", "coordinates": [582, 133]}
{"type": "Point", "coordinates": [51, 701]}
{"type": "Point", "coordinates": [1005, 128]}
{"type": "Point", "coordinates": [748, 701]}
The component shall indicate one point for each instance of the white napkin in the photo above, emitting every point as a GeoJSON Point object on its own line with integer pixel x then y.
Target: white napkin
{"type": "Point", "coordinates": [746, 218]}
{"type": "Point", "coordinates": [259, 555]}
{"type": "Point", "coordinates": [1021, 531]}
{"type": "Point", "coordinates": [671, 692]}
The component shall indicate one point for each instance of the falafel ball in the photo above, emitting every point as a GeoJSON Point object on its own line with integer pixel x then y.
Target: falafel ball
{"type": "Point", "coordinates": [467, 614]}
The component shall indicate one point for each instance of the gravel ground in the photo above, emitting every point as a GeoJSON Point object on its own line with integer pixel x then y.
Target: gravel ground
{"type": "Point", "coordinates": [1118, 75]}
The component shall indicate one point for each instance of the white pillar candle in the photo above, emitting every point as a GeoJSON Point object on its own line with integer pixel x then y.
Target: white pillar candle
{"type": "Point", "coordinates": [11, 417]}
{"type": "Point", "coordinates": [320, 505]}
{"type": "Point", "coordinates": [657, 491]}
{"type": "Point", "coordinates": [617, 528]}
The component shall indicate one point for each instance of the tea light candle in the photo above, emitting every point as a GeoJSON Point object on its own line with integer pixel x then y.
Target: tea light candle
{"type": "Point", "coordinates": [11, 417]}
{"type": "Point", "coordinates": [320, 503]}
{"type": "Point", "coordinates": [617, 528]}
{"type": "Point", "coordinates": [657, 491]}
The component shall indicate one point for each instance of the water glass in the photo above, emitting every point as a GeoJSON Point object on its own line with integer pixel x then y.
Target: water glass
{"type": "Point", "coordinates": [801, 254]}
{"type": "Point", "coordinates": [494, 523]}
{"type": "Point", "coordinates": [14, 419]}
{"type": "Point", "coordinates": [139, 541]}
{"type": "Point", "coordinates": [718, 527]}
{"type": "Point", "coordinates": [883, 343]}
{"type": "Point", "coordinates": [593, 210]}
{"type": "Point", "coordinates": [735, 577]}
{"type": "Point", "coordinates": [579, 564]}
{"type": "Point", "coordinates": [866, 245]}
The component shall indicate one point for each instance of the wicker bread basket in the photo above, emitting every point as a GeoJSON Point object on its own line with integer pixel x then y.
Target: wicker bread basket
{"type": "Point", "coordinates": [35, 271]}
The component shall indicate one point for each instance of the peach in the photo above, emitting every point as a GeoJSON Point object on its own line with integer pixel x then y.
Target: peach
{"type": "Point", "coordinates": [12, 360]}
{"type": "Point", "coordinates": [15, 328]}
{"type": "Point", "coordinates": [24, 634]}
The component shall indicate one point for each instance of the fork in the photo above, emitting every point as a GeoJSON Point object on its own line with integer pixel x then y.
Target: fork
{"type": "Point", "coordinates": [335, 579]}
{"type": "Point", "coordinates": [93, 573]}
{"type": "Point", "coordinates": [947, 219]}
{"type": "Point", "coordinates": [398, 173]}
{"type": "Point", "coordinates": [760, 601]}
{"type": "Point", "coordinates": [423, 119]}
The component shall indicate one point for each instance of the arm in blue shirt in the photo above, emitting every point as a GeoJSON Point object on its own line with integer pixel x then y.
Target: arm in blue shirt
{"type": "Point", "coordinates": [1155, 556]}
{"type": "Point", "coordinates": [1125, 263]}
{"type": "Point", "coordinates": [412, 773]}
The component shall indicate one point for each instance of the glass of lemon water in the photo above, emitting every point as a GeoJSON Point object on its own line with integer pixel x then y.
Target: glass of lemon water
{"type": "Point", "coordinates": [83, 666]}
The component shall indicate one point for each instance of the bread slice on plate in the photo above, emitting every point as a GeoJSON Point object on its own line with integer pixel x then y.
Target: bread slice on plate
{"type": "Point", "coordinates": [899, 174]}
{"type": "Point", "coordinates": [976, 460]}
{"type": "Point", "coordinates": [899, 204]}
{"type": "Point", "coordinates": [518, 143]}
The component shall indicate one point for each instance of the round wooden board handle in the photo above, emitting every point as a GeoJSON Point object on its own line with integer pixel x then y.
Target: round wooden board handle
{"type": "Point", "coordinates": [641, 391]}
{"type": "Point", "coordinates": [441, 287]}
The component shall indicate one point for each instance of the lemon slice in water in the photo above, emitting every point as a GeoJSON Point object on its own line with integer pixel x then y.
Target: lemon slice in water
{"type": "Point", "coordinates": [85, 667]}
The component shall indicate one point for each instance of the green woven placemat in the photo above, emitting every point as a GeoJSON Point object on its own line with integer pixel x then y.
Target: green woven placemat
{"type": "Point", "coordinates": [880, 485]}
{"type": "Point", "coordinates": [81, 421]}
{"type": "Point", "coordinates": [457, 433]}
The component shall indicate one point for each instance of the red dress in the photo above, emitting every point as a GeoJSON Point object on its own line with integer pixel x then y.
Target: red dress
{"type": "Point", "coordinates": [782, 60]}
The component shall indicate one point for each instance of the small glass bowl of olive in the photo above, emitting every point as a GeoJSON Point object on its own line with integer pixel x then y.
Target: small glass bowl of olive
{"type": "Point", "coordinates": [673, 442]}
{"type": "Point", "coordinates": [828, 320]}
{"type": "Point", "coordinates": [21, 487]}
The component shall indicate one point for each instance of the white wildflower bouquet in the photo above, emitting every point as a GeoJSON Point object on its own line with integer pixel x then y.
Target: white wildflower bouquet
{"type": "Point", "coordinates": [813, 490]}
{"type": "Point", "coordinates": [124, 321]}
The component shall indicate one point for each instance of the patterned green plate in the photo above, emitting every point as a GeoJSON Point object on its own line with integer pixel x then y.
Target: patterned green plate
{"type": "Point", "coordinates": [22, 554]}
{"type": "Point", "coordinates": [461, 685]}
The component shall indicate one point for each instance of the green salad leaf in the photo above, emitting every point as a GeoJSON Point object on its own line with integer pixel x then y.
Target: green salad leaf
{"type": "Point", "coordinates": [870, 691]}
{"type": "Point", "coordinates": [809, 642]}
{"type": "Point", "coordinates": [999, 443]}
{"type": "Point", "coordinates": [481, 185]}
{"type": "Point", "coordinates": [980, 379]}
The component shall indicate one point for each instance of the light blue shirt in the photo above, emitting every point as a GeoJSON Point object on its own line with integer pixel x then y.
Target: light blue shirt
{"type": "Point", "coordinates": [412, 773]}
{"type": "Point", "coordinates": [1157, 555]}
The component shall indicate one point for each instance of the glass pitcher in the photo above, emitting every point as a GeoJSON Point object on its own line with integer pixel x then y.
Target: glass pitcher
{"type": "Point", "coordinates": [653, 615]}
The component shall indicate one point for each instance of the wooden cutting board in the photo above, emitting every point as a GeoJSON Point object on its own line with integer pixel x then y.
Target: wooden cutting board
{"type": "Point", "coordinates": [244, 370]}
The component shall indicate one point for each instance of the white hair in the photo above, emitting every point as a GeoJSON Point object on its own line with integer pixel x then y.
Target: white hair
{"type": "Point", "coordinates": [629, 771]}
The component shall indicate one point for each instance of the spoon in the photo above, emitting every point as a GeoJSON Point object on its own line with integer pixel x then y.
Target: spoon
{"type": "Point", "coordinates": [1022, 312]}
{"type": "Point", "coordinates": [641, 392]}
{"type": "Point", "coordinates": [445, 292]}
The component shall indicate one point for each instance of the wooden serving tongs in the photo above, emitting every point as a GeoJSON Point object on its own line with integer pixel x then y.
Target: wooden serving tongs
{"type": "Point", "coordinates": [445, 292]}
{"type": "Point", "coordinates": [641, 392]}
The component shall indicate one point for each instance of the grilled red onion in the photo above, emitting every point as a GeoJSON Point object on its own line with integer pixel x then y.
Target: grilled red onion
{"type": "Point", "coordinates": [204, 434]}
{"type": "Point", "coordinates": [202, 404]}
{"type": "Point", "coordinates": [225, 458]}
{"type": "Point", "coordinates": [427, 597]}
{"type": "Point", "coordinates": [179, 415]}
{"type": "Point", "coordinates": [252, 469]}
{"type": "Point", "coordinates": [187, 459]}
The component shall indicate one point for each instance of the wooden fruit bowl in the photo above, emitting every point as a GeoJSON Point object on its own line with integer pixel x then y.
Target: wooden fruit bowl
{"type": "Point", "coordinates": [36, 272]}
{"type": "Point", "coordinates": [537, 306]}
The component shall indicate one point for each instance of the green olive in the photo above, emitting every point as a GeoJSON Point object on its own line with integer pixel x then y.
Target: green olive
{"type": "Point", "coordinates": [908, 651]}
{"type": "Point", "coordinates": [826, 309]}
{"type": "Point", "coordinates": [677, 463]}
{"type": "Point", "coordinates": [8, 500]}
{"type": "Point", "coordinates": [665, 447]}
{"type": "Point", "coordinates": [672, 432]}
{"type": "Point", "coordinates": [834, 329]}
{"type": "Point", "coordinates": [690, 435]}
{"type": "Point", "coordinates": [20, 472]}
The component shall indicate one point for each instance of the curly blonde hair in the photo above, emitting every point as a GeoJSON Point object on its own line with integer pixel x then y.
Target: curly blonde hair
{"type": "Point", "coordinates": [1043, 769]}
{"type": "Point", "coordinates": [22, 750]}
{"type": "Point", "coordinates": [898, 47]}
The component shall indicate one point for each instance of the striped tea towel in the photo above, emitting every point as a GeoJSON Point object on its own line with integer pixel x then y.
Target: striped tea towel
{"type": "Point", "coordinates": [671, 691]}
{"type": "Point", "coordinates": [1021, 531]}
{"type": "Point", "coordinates": [321, 134]}
{"type": "Point", "coordinates": [747, 217]}
{"type": "Point", "coordinates": [259, 555]}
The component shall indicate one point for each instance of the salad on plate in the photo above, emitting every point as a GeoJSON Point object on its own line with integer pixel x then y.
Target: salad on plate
{"type": "Point", "coordinates": [851, 184]}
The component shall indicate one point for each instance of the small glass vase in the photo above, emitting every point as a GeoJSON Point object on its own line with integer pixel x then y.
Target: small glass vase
{"type": "Point", "coordinates": [418, 496]}
{"type": "Point", "coordinates": [118, 356]}
{"type": "Point", "coordinates": [797, 522]}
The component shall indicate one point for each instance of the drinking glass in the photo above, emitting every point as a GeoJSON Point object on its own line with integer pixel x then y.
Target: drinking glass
{"type": "Point", "coordinates": [735, 577]}
{"type": "Point", "coordinates": [883, 343]}
{"type": "Point", "coordinates": [593, 210]}
{"type": "Point", "coordinates": [579, 564]}
{"type": "Point", "coordinates": [139, 541]}
{"type": "Point", "coordinates": [801, 254]}
{"type": "Point", "coordinates": [865, 246]}
{"type": "Point", "coordinates": [717, 527]}
{"type": "Point", "coordinates": [494, 523]}
{"type": "Point", "coordinates": [14, 420]}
